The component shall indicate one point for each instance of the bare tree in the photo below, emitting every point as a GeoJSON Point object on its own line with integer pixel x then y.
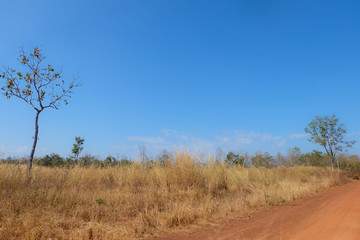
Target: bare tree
{"type": "Point", "coordinates": [143, 153]}
{"type": "Point", "coordinates": [220, 155]}
{"type": "Point", "coordinates": [39, 85]}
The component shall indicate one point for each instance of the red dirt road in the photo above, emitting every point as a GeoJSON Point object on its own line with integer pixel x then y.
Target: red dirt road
{"type": "Point", "coordinates": [330, 215]}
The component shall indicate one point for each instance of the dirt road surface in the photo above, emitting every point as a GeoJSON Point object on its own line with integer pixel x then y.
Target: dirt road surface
{"type": "Point", "coordinates": [330, 215]}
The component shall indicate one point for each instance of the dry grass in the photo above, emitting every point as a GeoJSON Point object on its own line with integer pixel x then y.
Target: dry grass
{"type": "Point", "coordinates": [133, 202]}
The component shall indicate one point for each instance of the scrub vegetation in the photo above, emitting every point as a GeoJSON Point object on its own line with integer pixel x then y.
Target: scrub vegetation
{"type": "Point", "coordinates": [103, 200]}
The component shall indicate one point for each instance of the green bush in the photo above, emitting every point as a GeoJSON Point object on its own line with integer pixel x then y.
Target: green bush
{"type": "Point", "coordinates": [52, 160]}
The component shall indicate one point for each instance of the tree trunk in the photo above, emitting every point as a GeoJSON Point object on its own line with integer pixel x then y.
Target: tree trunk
{"type": "Point", "coordinates": [335, 162]}
{"type": "Point", "coordinates": [35, 141]}
{"type": "Point", "coordinates": [332, 160]}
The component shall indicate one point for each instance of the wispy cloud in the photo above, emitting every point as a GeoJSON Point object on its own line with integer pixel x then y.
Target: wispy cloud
{"type": "Point", "coordinates": [44, 150]}
{"type": "Point", "coordinates": [201, 144]}
{"type": "Point", "coordinates": [269, 137]}
{"type": "Point", "coordinates": [171, 139]}
{"type": "Point", "coordinates": [243, 139]}
{"type": "Point", "coordinates": [22, 149]}
{"type": "Point", "coordinates": [142, 139]}
{"type": "Point", "coordinates": [247, 138]}
{"type": "Point", "coordinates": [13, 150]}
{"type": "Point", "coordinates": [354, 134]}
{"type": "Point", "coordinates": [175, 133]}
{"type": "Point", "coordinates": [279, 144]}
{"type": "Point", "coordinates": [298, 135]}
{"type": "Point", "coordinates": [222, 139]}
{"type": "Point", "coordinates": [120, 147]}
{"type": "Point", "coordinates": [2, 149]}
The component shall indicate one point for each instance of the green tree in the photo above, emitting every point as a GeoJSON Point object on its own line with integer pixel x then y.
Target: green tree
{"type": "Point", "coordinates": [52, 160]}
{"type": "Point", "coordinates": [87, 160]}
{"type": "Point", "coordinates": [77, 148]}
{"type": "Point", "coordinates": [330, 134]}
{"type": "Point", "coordinates": [110, 161]}
{"type": "Point", "coordinates": [234, 159]}
{"type": "Point", "coordinates": [262, 160]}
{"type": "Point", "coordinates": [124, 161]}
{"type": "Point", "coordinates": [316, 158]}
{"type": "Point", "coordinates": [39, 85]}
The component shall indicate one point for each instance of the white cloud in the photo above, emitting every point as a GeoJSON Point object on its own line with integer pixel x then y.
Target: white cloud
{"type": "Point", "coordinates": [201, 144]}
{"type": "Point", "coordinates": [175, 133]}
{"type": "Point", "coordinates": [354, 134]}
{"type": "Point", "coordinates": [2, 148]}
{"type": "Point", "coordinates": [13, 150]}
{"type": "Point", "coordinates": [280, 143]}
{"type": "Point", "coordinates": [298, 135]}
{"type": "Point", "coordinates": [120, 147]}
{"type": "Point", "coordinates": [243, 139]}
{"type": "Point", "coordinates": [22, 149]}
{"type": "Point", "coordinates": [222, 139]}
{"type": "Point", "coordinates": [269, 137]}
{"type": "Point", "coordinates": [43, 150]}
{"type": "Point", "coordinates": [166, 132]}
{"type": "Point", "coordinates": [173, 140]}
{"type": "Point", "coordinates": [150, 140]}
{"type": "Point", "coordinates": [252, 137]}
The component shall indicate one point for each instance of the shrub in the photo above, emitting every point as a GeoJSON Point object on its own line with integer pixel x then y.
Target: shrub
{"type": "Point", "coordinates": [52, 160]}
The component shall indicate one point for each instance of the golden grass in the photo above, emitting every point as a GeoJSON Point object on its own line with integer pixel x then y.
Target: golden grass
{"type": "Point", "coordinates": [133, 202]}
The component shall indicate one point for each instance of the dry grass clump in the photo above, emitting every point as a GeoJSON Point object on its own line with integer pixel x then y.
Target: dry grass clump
{"type": "Point", "coordinates": [135, 201]}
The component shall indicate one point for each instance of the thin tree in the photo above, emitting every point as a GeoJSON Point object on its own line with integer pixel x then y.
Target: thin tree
{"type": "Point", "coordinates": [39, 85]}
{"type": "Point", "coordinates": [219, 155]}
{"type": "Point", "coordinates": [329, 133]}
{"type": "Point", "coordinates": [77, 148]}
{"type": "Point", "coordinates": [143, 153]}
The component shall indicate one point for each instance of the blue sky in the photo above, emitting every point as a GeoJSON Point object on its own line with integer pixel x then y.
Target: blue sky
{"type": "Point", "coordinates": [197, 75]}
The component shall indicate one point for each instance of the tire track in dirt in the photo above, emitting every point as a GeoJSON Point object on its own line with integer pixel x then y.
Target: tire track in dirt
{"type": "Point", "coordinates": [330, 215]}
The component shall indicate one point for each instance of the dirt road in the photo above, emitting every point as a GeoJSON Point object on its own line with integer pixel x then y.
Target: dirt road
{"type": "Point", "coordinates": [330, 215]}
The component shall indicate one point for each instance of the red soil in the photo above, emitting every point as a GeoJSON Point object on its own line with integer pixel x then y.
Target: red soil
{"type": "Point", "coordinates": [330, 215]}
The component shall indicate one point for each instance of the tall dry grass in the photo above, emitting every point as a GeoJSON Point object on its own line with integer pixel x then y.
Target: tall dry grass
{"type": "Point", "coordinates": [133, 202]}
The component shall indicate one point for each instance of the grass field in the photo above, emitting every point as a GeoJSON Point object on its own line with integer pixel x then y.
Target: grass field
{"type": "Point", "coordinates": [135, 201]}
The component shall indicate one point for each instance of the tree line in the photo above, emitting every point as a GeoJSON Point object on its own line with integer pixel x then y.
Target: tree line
{"type": "Point", "coordinates": [294, 157]}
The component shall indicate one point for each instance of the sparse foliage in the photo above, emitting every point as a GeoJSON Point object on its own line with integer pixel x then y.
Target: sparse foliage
{"type": "Point", "coordinates": [281, 160]}
{"type": "Point", "coordinates": [39, 85]}
{"type": "Point", "coordinates": [316, 158]}
{"type": "Point", "coordinates": [262, 160]}
{"type": "Point", "coordinates": [52, 160]}
{"type": "Point", "coordinates": [220, 155]}
{"type": "Point", "coordinates": [78, 147]}
{"type": "Point", "coordinates": [296, 158]}
{"type": "Point", "coordinates": [87, 160]}
{"type": "Point", "coordinates": [164, 158]}
{"type": "Point", "coordinates": [330, 134]}
{"type": "Point", "coordinates": [235, 159]}
{"type": "Point", "coordinates": [124, 161]}
{"type": "Point", "coordinates": [143, 153]}
{"type": "Point", "coordinates": [110, 161]}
